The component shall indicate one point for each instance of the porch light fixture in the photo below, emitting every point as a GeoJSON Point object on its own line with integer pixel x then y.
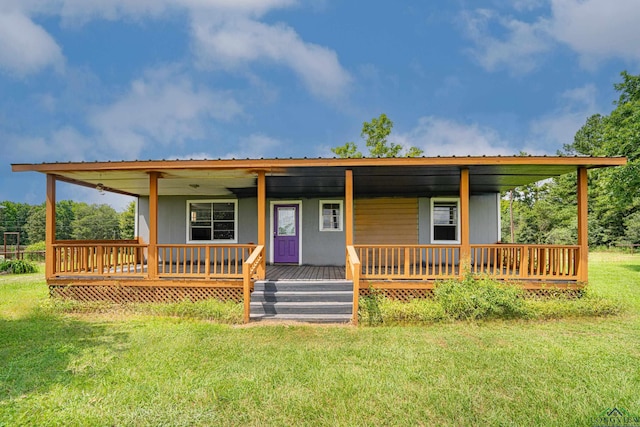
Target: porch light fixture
{"type": "Point", "coordinates": [100, 188]}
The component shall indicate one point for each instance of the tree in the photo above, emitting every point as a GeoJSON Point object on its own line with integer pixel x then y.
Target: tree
{"type": "Point", "coordinates": [128, 222]}
{"type": "Point", "coordinates": [614, 193]}
{"type": "Point", "coordinates": [14, 217]}
{"type": "Point", "coordinates": [36, 223]}
{"type": "Point", "coordinates": [64, 219]}
{"type": "Point", "coordinates": [375, 134]}
{"type": "Point", "coordinates": [95, 222]}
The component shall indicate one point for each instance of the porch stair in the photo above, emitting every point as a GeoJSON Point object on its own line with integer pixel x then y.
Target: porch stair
{"type": "Point", "coordinates": [321, 301]}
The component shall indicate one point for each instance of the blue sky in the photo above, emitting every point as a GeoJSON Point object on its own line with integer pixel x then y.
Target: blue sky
{"type": "Point", "coordinates": [153, 79]}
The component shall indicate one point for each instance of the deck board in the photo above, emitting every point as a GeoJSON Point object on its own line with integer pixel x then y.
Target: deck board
{"type": "Point", "coordinates": [305, 272]}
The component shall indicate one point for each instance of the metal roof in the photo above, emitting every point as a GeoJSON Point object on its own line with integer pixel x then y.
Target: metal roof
{"type": "Point", "coordinates": [319, 177]}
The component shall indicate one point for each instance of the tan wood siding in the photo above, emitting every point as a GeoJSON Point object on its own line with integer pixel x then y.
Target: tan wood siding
{"type": "Point", "coordinates": [383, 221]}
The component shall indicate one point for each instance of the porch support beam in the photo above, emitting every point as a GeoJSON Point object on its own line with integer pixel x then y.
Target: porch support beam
{"type": "Point", "coordinates": [152, 257]}
{"type": "Point", "coordinates": [50, 226]}
{"type": "Point", "coordinates": [465, 242]}
{"type": "Point", "coordinates": [262, 218]}
{"type": "Point", "coordinates": [583, 233]}
{"type": "Point", "coordinates": [348, 206]}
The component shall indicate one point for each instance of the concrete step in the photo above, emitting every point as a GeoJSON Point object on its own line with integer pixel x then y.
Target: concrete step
{"type": "Point", "coordinates": [302, 296]}
{"type": "Point", "coordinates": [303, 286]}
{"type": "Point", "coordinates": [301, 308]}
{"type": "Point", "coordinates": [306, 318]}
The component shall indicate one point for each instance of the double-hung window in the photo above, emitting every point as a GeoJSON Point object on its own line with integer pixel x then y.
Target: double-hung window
{"type": "Point", "coordinates": [330, 215]}
{"type": "Point", "coordinates": [212, 221]}
{"type": "Point", "coordinates": [445, 221]}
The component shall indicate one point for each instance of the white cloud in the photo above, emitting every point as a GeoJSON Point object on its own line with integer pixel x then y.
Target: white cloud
{"type": "Point", "coordinates": [595, 30]}
{"type": "Point", "coordinates": [443, 137]}
{"type": "Point", "coordinates": [225, 34]}
{"type": "Point", "coordinates": [163, 108]}
{"type": "Point", "coordinates": [518, 51]}
{"type": "Point", "coordinates": [232, 44]}
{"type": "Point", "coordinates": [551, 131]}
{"type": "Point", "coordinates": [26, 47]}
{"type": "Point", "coordinates": [255, 146]}
{"type": "Point", "coordinates": [598, 29]}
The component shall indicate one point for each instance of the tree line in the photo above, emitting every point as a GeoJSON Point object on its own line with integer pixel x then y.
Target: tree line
{"type": "Point", "coordinates": [546, 213]}
{"type": "Point", "coordinates": [74, 221]}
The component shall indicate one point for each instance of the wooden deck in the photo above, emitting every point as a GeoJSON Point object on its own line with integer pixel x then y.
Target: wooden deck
{"type": "Point", "coordinates": [305, 272]}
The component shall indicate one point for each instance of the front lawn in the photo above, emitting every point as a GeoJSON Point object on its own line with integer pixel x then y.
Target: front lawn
{"type": "Point", "coordinates": [134, 369]}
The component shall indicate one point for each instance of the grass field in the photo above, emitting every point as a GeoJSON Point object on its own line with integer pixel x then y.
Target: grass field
{"type": "Point", "coordinates": [131, 369]}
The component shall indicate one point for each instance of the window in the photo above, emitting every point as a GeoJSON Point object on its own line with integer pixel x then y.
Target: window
{"type": "Point", "coordinates": [212, 221]}
{"type": "Point", "coordinates": [444, 220]}
{"type": "Point", "coordinates": [330, 215]}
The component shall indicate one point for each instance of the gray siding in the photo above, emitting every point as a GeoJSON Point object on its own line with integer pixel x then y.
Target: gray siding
{"type": "Point", "coordinates": [483, 223]}
{"type": "Point", "coordinates": [318, 247]}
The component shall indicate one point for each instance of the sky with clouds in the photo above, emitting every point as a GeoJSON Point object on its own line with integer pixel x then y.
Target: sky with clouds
{"type": "Point", "coordinates": [166, 79]}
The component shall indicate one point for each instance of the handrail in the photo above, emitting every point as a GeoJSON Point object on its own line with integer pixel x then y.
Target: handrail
{"type": "Point", "coordinates": [206, 261]}
{"type": "Point", "coordinates": [524, 261]}
{"type": "Point", "coordinates": [95, 242]}
{"type": "Point", "coordinates": [253, 264]}
{"type": "Point", "coordinates": [106, 258]}
{"type": "Point", "coordinates": [420, 262]}
{"type": "Point", "coordinates": [353, 272]}
{"type": "Point", "coordinates": [499, 260]}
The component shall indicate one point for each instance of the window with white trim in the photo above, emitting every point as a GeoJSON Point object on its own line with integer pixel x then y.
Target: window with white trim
{"type": "Point", "coordinates": [445, 221]}
{"type": "Point", "coordinates": [212, 221]}
{"type": "Point", "coordinates": [330, 215]}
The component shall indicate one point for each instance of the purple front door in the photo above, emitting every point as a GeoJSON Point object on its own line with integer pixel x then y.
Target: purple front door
{"type": "Point", "coordinates": [286, 234]}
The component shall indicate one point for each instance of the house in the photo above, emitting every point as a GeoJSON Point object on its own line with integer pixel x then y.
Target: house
{"type": "Point", "coordinates": [213, 228]}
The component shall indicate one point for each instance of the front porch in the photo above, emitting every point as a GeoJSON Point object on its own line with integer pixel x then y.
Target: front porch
{"type": "Point", "coordinates": [121, 271]}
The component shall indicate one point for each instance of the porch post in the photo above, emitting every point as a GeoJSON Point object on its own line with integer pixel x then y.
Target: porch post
{"type": "Point", "coordinates": [583, 233]}
{"type": "Point", "coordinates": [465, 245]}
{"type": "Point", "coordinates": [348, 206]}
{"type": "Point", "coordinates": [152, 257]}
{"type": "Point", "coordinates": [262, 218]}
{"type": "Point", "coordinates": [50, 226]}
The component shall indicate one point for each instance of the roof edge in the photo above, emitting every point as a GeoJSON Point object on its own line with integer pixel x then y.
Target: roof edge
{"type": "Point", "coordinates": [267, 164]}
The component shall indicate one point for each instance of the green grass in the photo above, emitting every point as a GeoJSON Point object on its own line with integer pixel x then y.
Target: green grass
{"type": "Point", "coordinates": [137, 369]}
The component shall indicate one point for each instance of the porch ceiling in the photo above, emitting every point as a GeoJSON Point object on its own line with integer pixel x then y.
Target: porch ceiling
{"type": "Point", "coordinates": [293, 178]}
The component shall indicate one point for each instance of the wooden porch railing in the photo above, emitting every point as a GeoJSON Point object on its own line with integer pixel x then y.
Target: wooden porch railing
{"type": "Point", "coordinates": [512, 261]}
{"type": "Point", "coordinates": [390, 262]}
{"type": "Point", "coordinates": [254, 265]}
{"type": "Point", "coordinates": [353, 273]}
{"type": "Point", "coordinates": [203, 261]}
{"type": "Point", "coordinates": [502, 261]}
{"type": "Point", "coordinates": [98, 258]}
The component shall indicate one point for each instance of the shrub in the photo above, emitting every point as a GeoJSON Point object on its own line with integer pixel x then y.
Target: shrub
{"type": "Point", "coordinates": [369, 307]}
{"type": "Point", "coordinates": [35, 251]}
{"type": "Point", "coordinates": [18, 266]}
{"type": "Point", "coordinates": [475, 299]}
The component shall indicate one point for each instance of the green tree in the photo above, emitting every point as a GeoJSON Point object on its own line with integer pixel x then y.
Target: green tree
{"type": "Point", "coordinates": [14, 217]}
{"type": "Point", "coordinates": [95, 222]}
{"type": "Point", "coordinates": [614, 193]}
{"type": "Point", "coordinates": [36, 223]}
{"type": "Point", "coordinates": [375, 134]}
{"type": "Point", "coordinates": [64, 219]}
{"type": "Point", "coordinates": [128, 222]}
